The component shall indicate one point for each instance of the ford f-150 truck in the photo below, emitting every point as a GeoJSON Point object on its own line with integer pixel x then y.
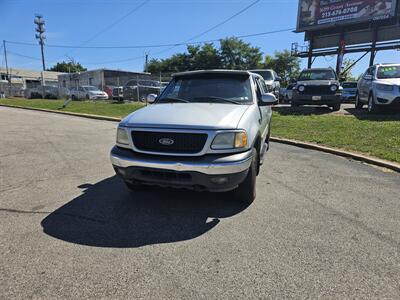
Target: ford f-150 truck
{"type": "Point", "coordinates": [207, 131]}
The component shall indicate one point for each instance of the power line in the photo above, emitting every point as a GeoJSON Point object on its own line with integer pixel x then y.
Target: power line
{"type": "Point", "coordinates": [141, 57]}
{"type": "Point", "coordinates": [116, 22]}
{"type": "Point", "coordinates": [224, 22]}
{"type": "Point", "coordinates": [154, 45]}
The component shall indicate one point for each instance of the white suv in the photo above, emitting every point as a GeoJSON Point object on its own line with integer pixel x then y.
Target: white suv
{"type": "Point", "coordinates": [378, 87]}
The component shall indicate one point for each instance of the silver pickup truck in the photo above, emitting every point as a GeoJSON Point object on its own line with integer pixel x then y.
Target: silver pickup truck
{"type": "Point", "coordinates": [207, 131]}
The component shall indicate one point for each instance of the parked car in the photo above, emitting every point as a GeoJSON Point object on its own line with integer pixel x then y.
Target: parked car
{"type": "Point", "coordinates": [42, 91]}
{"type": "Point", "coordinates": [208, 131]}
{"type": "Point", "coordinates": [146, 87]}
{"type": "Point", "coordinates": [272, 80]}
{"type": "Point", "coordinates": [87, 92]}
{"type": "Point", "coordinates": [317, 87]}
{"type": "Point", "coordinates": [349, 91]}
{"type": "Point", "coordinates": [379, 87]}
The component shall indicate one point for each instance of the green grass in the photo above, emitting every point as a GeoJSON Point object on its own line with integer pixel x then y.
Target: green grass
{"type": "Point", "coordinates": [375, 136]}
{"type": "Point", "coordinates": [88, 107]}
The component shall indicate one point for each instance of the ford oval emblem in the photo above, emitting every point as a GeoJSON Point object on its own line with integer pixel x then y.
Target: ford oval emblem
{"type": "Point", "coordinates": [166, 141]}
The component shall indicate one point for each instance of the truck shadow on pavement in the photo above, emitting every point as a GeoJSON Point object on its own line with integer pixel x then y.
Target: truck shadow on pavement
{"type": "Point", "coordinates": [108, 215]}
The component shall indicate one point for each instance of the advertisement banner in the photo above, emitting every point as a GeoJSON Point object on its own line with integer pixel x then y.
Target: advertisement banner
{"type": "Point", "coordinates": [315, 14]}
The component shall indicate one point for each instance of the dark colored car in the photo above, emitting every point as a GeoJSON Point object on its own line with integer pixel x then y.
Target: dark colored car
{"type": "Point", "coordinates": [317, 87]}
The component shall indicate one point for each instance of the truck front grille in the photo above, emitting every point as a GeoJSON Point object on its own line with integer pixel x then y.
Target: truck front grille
{"type": "Point", "coordinates": [182, 143]}
{"type": "Point", "coordinates": [318, 90]}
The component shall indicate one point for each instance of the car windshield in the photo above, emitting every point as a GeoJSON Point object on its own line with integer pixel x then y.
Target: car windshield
{"type": "Point", "coordinates": [388, 72]}
{"type": "Point", "coordinates": [267, 75]}
{"type": "Point", "coordinates": [218, 88]}
{"type": "Point", "coordinates": [90, 88]}
{"type": "Point", "coordinates": [349, 85]}
{"type": "Point", "coordinates": [317, 75]}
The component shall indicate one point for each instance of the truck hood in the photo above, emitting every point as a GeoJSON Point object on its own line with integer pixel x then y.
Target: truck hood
{"type": "Point", "coordinates": [187, 116]}
{"type": "Point", "coordinates": [317, 82]}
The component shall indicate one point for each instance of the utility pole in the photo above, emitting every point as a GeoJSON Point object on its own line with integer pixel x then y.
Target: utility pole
{"type": "Point", "coordinates": [146, 61]}
{"type": "Point", "coordinates": [8, 74]}
{"type": "Point", "coordinates": [40, 35]}
{"type": "Point", "coordinates": [41, 38]}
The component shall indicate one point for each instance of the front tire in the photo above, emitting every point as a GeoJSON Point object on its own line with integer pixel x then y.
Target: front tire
{"type": "Point", "coordinates": [246, 192]}
{"type": "Point", "coordinates": [336, 107]}
{"type": "Point", "coordinates": [134, 186]}
{"type": "Point", "coordinates": [358, 104]}
{"type": "Point", "coordinates": [372, 108]}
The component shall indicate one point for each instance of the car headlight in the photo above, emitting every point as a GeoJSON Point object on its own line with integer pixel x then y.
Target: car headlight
{"type": "Point", "coordinates": [301, 88]}
{"type": "Point", "coordinates": [334, 87]}
{"type": "Point", "coordinates": [230, 140]}
{"type": "Point", "coordinates": [269, 87]}
{"type": "Point", "coordinates": [122, 136]}
{"type": "Point", "coordinates": [384, 87]}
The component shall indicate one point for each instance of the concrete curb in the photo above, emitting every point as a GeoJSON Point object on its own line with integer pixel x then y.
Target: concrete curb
{"type": "Point", "coordinates": [89, 116]}
{"type": "Point", "coordinates": [355, 156]}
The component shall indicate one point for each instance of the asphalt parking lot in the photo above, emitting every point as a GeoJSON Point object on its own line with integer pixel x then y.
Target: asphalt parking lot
{"type": "Point", "coordinates": [321, 227]}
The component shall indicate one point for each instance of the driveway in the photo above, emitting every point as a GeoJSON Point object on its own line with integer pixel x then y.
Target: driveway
{"type": "Point", "coordinates": [321, 226]}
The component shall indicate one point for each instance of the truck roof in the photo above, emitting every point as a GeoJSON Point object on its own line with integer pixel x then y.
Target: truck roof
{"type": "Point", "coordinates": [200, 72]}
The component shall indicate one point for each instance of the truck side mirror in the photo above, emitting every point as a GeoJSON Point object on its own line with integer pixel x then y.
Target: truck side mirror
{"type": "Point", "coordinates": [268, 100]}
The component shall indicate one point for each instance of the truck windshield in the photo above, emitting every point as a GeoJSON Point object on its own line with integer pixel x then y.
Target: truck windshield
{"type": "Point", "coordinates": [267, 75]}
{"type": "Point", "coordinates": [388, 72]}
{"type": "Point", "coordinates": [214, 88]}
{"type": "Point", "coordinates": [317, 75]}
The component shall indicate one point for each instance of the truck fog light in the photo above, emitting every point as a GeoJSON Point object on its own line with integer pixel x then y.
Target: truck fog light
{"type": "Point", "coordinates": [219, 180]}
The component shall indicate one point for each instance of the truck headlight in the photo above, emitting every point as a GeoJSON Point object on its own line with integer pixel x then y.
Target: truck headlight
{"type": "Point", "coordinates": [230, 140]}
{"type": "Point", "coordinates": [334, 87]}
{"type": "Point", "coordinates": [301, 88]}
{"type": "Point", "coordinates": [384, 87]}
{"type": "Point", "coordinates": [122, 136]}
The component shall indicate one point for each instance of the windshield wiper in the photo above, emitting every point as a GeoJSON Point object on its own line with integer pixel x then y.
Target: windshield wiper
{"type": "Point", "coordinates": [173, 99]}
{"type": "Point", "coordinates": [217, 99]}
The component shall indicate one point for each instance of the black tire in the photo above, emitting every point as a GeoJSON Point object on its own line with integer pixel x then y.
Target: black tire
{"type": "Point", "coordinates": [336, 107]}
{"type": "Point", "coordinates": [358, 104]}
{"type": "Point", "coordinates": [87, 97]}
{"type": "Point", "coordinates": [134, 186]}
{"type": "Point", "coordinates": [372, 108]}
{"type": "Point", "coordinates": [246, 191]}
{"type": "Point", "coordinates": [73, 98]}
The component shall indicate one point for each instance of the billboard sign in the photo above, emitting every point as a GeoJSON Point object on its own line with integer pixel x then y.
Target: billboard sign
{"type": "Point", "coordinates": [318, 14]}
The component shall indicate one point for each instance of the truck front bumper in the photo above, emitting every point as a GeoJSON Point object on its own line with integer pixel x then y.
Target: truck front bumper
{"type": "Point", "coordinates": [317, 99]}
{"type": "Point", "coordinates": [210, 172]}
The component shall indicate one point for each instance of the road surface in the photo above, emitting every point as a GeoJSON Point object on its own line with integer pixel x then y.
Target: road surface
{"type": "Point", "coordinates": [321, 226]}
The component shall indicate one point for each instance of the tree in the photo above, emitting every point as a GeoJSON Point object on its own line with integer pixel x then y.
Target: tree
{"type": "Point", "coordinates": [348, 75]}
{"type": "Point", "coordinates": [67, 67]}
{"type": "Point", "coordinates": [283, 63]}
{"type": "Point", "coordinates": [232, 54]}
{"type": "Point", "coordinates": [238, 55]}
